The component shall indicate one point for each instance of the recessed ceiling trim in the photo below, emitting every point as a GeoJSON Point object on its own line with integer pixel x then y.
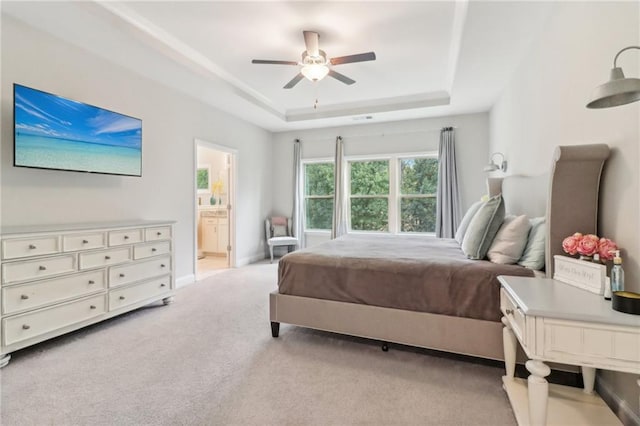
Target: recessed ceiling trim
{"type": "Point", "coordinates": [182, 50]}
{"type": "Point", "coordinates": [421, 100]}
{"type": "Point", "coordinates": [459, 19]}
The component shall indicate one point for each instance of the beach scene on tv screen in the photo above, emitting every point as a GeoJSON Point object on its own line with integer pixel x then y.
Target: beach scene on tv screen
{"type": "Point", "coordinates": [58, 133]}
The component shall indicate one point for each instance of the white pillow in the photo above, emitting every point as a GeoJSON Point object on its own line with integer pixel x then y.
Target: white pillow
{"type": "Point", "coordinates": [510, 241]}
{"type": "Point", "coordinates": [466, 220]}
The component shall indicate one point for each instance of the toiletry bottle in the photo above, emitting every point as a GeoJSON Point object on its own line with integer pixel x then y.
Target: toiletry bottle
{"type": "Point", "coordinates": [617, 274]}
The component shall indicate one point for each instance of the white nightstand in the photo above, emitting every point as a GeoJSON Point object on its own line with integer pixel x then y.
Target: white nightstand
{"type": "Point", "coordinates": [556, 322]}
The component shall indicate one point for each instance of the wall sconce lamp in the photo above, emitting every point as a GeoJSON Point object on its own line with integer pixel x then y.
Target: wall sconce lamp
{"type": "Point", "coordinates": [618, 90]}
{"type": "Point", "coordinates": [493, 166]}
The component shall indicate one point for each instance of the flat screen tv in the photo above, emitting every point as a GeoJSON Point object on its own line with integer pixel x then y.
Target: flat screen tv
{"type": "Point", "coordinates": [52, 132]}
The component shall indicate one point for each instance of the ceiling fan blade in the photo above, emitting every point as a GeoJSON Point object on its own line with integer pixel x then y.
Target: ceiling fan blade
{"type": "Point", "coordinates": [343, 78]}
{"type": "Point", "coordinates": [268, 61]}
{"type": "Point", "coordinates": [295, 80]}
{"type": "Point", "coordinates": [311, 41]}
{"type": "Point", "coordinates": [360, 57]}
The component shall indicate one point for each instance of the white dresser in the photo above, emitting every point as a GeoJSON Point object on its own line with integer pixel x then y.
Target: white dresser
{"type": "Point", "coordinates": [56, 279]}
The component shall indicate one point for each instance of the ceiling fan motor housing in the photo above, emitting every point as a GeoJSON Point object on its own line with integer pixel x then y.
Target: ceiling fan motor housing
{"type": "Point", "coordinates": [321, 59]}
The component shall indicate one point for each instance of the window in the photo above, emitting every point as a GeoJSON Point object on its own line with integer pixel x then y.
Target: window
{"type": "Point", "coordinates": [418, 186]}
{"type": "Point", "coordinates": [369, 195]}
{"type": "Point", "coordinates": [318, 195]}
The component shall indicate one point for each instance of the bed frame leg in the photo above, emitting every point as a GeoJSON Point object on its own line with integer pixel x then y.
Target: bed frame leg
{"type": "Point", "coordinates": [275, 329]}
{"type": "Point", "coordinates": [385, 347]}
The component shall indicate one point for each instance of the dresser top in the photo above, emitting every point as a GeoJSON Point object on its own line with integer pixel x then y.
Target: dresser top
{"type": "Point", "coordinates": [544, 297]}
{"type": "Point", "coordinates": [12, 231]}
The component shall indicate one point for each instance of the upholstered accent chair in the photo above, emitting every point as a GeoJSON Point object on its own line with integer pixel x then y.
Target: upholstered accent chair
{"type": "Point", "coordinates": [279, 234]}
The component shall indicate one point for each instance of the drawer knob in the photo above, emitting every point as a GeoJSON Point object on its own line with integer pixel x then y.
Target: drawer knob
{"type": "Point", "coordinates": [92, 282]}
{"type": "Point", "coordinates": [154, 249]}
{"type": "Point", "coordinates": [126, 237]}
{"type": "Point", "coordinates": [158, 233]}
{"type": "Point", "coordinates": [163, 285]}
{"type": "Point", "coordinates": [85, 242]}
{"type": "Point", "coordinates": [107, 257]}
{"type": "Point", "coordinates": [42, 268]}
{"type": "Point", "coordinates": [162, 265]}
{"type": "Point", "coordinates": [509, 311]}
{"type": "Point", "coordinates": [24, 297]}
{"type": "Point", "coordinates": [121, 275]}
{"type": "Point", "coordinates": [92, 307]}
{"type": "Point", "coordinates": [31, 246]}
{"type": "Point", "coordinates": [26, 326]}
{"type": "Point", "coordinates": [121, 297]}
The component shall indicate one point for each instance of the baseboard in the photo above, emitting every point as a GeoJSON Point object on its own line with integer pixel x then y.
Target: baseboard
{"type": "Point", "coordinates": [250, 259]}
{"type": "Point", "coordinates": [618, 405]}
{"type": "Point", "coordinates": [185, 280]}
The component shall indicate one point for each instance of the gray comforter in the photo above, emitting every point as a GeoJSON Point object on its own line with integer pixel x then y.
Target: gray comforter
{"type": "Point", "coordinates": [422, 274]}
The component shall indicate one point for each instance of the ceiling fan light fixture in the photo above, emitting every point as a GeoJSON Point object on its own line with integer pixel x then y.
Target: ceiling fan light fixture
{"type": "Point", "coordinates": [315, 72]}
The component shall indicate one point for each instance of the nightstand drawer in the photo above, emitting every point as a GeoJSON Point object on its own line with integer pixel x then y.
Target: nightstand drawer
{"type": "Point", "coordinates": [83, 241]}
{"type": "Point", "coordinates": [128, 236]}
{"type": "Point", "coordinates": [27, 247]}
{"type": "Point", "coordinates": [137, 293]}
{"type": "Point", "coordinates": [513, 314]}
{"type": "Point", "coordinates": [35, 294]}
{"type": "Point", "coordinates": [142, 251]}
{"type": "Point", "coordinates": [97, 259]}
{"type": "Point", "coordinates": [22, 327]}
{"type": "Point", "coordinates": [35, 269]}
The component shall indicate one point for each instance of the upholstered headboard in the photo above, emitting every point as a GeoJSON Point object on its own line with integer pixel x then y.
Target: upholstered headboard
{"type": "Point", "coordinates": [567, 196]}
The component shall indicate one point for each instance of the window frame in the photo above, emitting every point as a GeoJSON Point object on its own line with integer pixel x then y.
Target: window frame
{"type": "Point", "coordinates": [400, 196]}
{"type": "Point", "coordinates": [305, 162]}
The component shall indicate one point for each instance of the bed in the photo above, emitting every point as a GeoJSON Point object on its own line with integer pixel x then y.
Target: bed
{"type": "Point", "coordinates": [422, 291]}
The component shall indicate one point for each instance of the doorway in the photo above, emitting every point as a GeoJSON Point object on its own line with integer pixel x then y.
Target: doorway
{"type": "Point", "coordinates": [214, 232]}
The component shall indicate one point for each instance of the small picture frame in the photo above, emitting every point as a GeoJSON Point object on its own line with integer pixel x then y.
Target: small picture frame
{"type": "Point", "coordinates": [586, 275]}
{"type": "Point", "coordinates": [203, 179]}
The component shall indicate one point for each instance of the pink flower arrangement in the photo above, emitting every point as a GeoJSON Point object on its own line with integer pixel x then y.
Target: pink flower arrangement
{"type": "Point", "coordinates": [588, 245]}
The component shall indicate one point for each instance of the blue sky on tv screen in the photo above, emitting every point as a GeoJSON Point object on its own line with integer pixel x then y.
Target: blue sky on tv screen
{"type": "Point", "coordinates": [42, 114]}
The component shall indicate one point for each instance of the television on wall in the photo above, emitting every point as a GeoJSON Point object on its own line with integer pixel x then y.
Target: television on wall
{"type": "Point", "coordinates": [52, 132]}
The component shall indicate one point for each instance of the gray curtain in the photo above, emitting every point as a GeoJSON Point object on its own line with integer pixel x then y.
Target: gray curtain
{"type": "Point", "coordinates": [448, 210]}
{"type": "Point", "coordinates": [298, 195]}
{"type": "Point", "coordinates": [340, 224]}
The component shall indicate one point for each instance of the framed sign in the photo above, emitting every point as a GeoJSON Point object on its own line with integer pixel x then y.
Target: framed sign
{"type": "Point", "coordinates": [203, 179]}
{"type": "Point", "coordinates": [586, 275]}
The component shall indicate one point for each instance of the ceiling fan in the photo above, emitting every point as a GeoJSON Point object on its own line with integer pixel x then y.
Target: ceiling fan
{"type": "Point", "coordinates": [315, 65]}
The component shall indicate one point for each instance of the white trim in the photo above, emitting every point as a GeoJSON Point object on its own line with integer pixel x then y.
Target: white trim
{"type": "Point", "coordinates": [185, 280]}
{"type": "Point", "coordinates": [317, 160]}
{"type": "Point", "coordinates": [250, 259]}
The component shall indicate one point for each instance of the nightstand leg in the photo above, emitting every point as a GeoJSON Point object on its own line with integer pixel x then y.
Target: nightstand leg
{"type": "Point", "coordinates": [589, 378]}
{"type": "Point", "coordinates": [538, 392]}
{"type": "Point", "coordinates": [509, 343]}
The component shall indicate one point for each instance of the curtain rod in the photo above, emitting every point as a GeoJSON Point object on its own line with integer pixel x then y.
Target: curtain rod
{"type": "Point", "coordinates": [383, 134]}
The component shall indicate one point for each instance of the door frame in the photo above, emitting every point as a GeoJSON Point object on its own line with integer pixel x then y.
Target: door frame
{"type": "Point", "coordinates": [231, 209]}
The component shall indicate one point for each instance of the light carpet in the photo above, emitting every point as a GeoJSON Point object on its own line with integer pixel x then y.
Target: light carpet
{"type": "Point", "coordinates": [209, 359]}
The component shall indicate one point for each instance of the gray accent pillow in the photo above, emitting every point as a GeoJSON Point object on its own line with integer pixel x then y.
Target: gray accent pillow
{"type": "Point", "coordinates": [508, 245]}
{"type": "Point", "coordinates": [464, 223]}
{"type": "Point", "coordinates": [483, 228]}
{"type": "Point", "coordinates": [279, 231]}
{"type": "Point", "coordinates": [533, 255]}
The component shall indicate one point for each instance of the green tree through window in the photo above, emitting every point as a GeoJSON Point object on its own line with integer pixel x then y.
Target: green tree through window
{"type": "Point", "coordinates": [418, 186]}
{"type": "Point", "coordinates": [318, 193]}
{"type": "Point", "coordinates": [370, 195]}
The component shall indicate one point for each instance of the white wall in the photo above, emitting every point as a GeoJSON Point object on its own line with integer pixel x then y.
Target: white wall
{"type": "Point", "coordinates": [544, 106]}
{"type": "Point", "coordinates": [170, 120]}
{"type": "Point", "coordinates": [411, 136]}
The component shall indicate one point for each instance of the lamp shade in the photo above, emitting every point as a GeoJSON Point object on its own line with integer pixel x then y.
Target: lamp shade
{"type": "Point", "coordinates": [315, 72]}
{"type": "Point", "coordinates": [617, 91]}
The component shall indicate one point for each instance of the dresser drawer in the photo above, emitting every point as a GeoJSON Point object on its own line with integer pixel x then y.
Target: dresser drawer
{"type": "Point", "coordinates": [157, 233]}
{"type": "Point", "coordinates": [83, 241]}
{"type": "Point", "coordinates": [35, 294]}
{"type": "Point", "coordinates": [25, 326]}
{"type": "Point", "coordinates": [513, 314]}
{"type": "Point", "coordinates": [122, 297]}
{"type": "Point", "coordinates": [142, 251]}
{"type": "Point", "coordinates": [35, 269]}
{"type": "Point", "coordinates": [125, 274]}
{"type": "Point", "coordinates": [96, 259]}
{"type": "Point", "coordinates": [127, 236]}
{"type": "Point", "coordinates": [25, 247]}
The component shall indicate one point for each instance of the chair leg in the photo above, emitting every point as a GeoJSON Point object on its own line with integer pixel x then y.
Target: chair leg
{"type": "Point", "coordinates": [271, 252]}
